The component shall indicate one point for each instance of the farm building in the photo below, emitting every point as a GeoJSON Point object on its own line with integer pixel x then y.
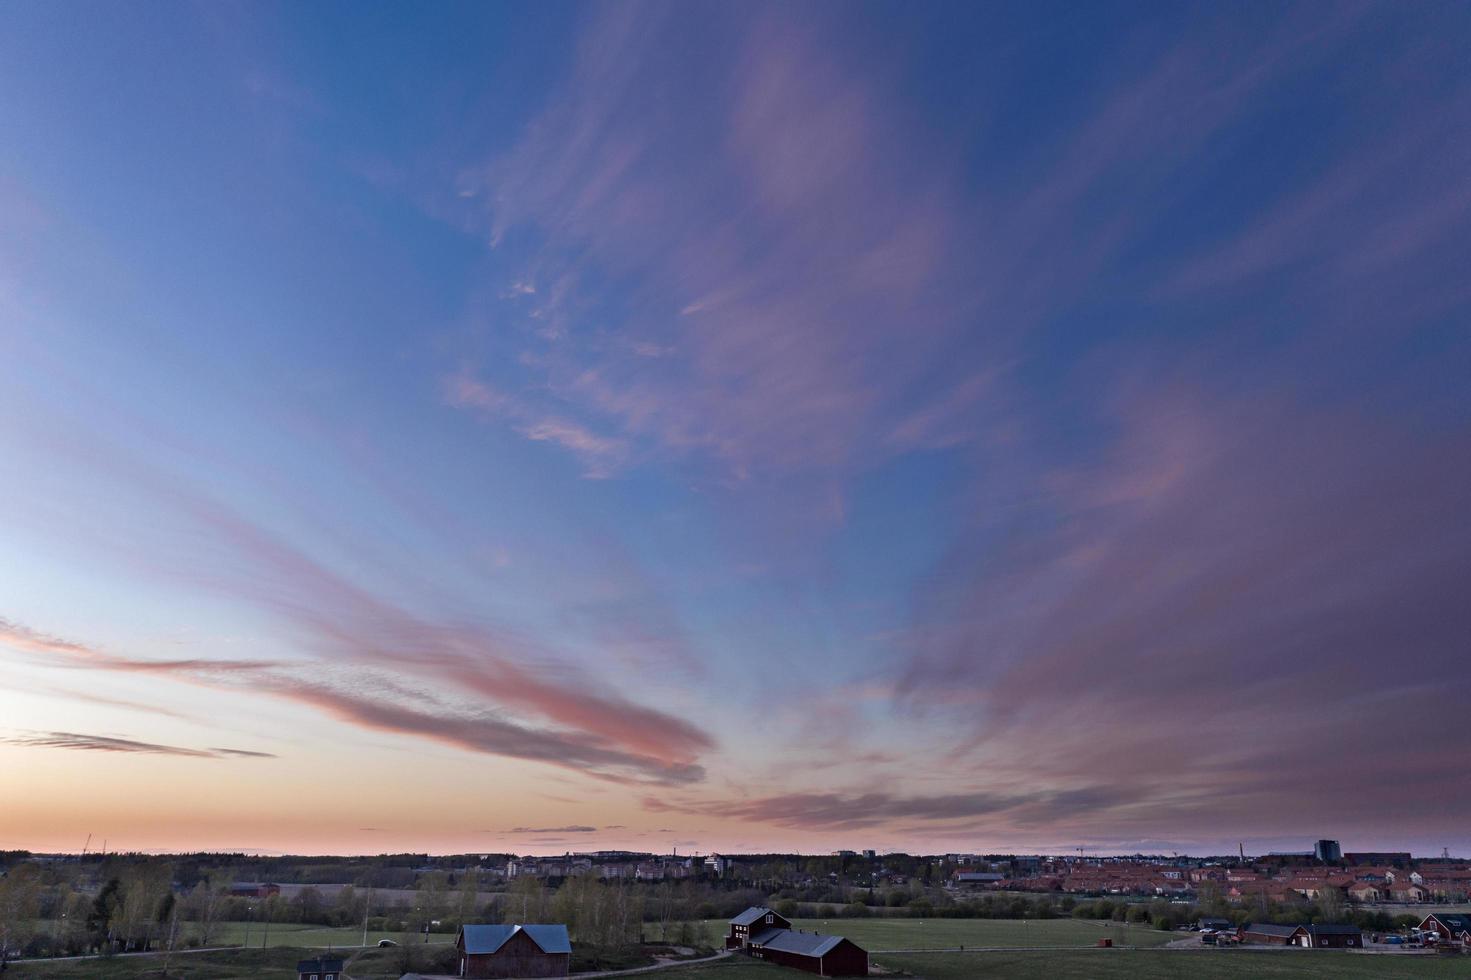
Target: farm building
{"type": "Point", "coordinates": [754, 919]}
{"type": "Point", "coordinates": [765, 935]}
{"type": "Point", "coordinates": [513, 951]}
{"type": "Point", "coordinates": [1334, 935]}
{"type": "Point", "coordinates": [1322, 936]}
{"type": "Point", "coordinates": [1267, 934]}
{"type": "Point", "coordinates": [1452, 926]}
{"type": "Point", "coordinates": [321, 968]}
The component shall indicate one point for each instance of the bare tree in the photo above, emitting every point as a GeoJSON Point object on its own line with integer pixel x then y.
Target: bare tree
{"type": "Point", "coordinates": [20, 898]}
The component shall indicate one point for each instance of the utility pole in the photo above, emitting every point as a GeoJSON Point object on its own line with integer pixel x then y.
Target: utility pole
{"type": "Point", "coordinates": [173, 931]}
{"type": "Point", "coordinates": [367, 910]}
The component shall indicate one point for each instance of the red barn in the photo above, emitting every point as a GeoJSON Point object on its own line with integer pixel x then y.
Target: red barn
{"type": "Point", "coordinates": [763, 934]}
{"type": "Point", "coordinates": [1452, 926]}
{"type": "Point", "coordinates": [1327, 935]}
{"type": "Point", "coordinates": [514, 951]}
{"type": "Point", "coordinates": [755, 919]}
{"type": "Point", "coordinates": [826, 956]}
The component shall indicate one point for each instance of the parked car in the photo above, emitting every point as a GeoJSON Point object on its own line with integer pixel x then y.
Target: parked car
{"type": "Point", "coordinates": [1209, 939]}
{"type": "Point", "coordinates": [386, 943]}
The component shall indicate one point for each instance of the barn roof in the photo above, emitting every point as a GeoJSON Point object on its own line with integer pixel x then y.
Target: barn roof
{"type": "Point", "coordinates": [1455, 920]}
{"type": "Point", "coordinates": [1334, 929]}
{"type": "Point", "coordinates": [1269, 929]}
{"type": "Point", "coordinates": [551, 939]}
{"type": "Point", "coordinates": [750, 916]}
{"type": "Point", "coordinates": [322, 964]}
{"type": "Point", "coordinates": [481, 939]}
{"type": "Point", "coordinates": [792, 941]}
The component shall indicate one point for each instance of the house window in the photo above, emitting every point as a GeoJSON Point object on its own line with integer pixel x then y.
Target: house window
{"type": "Point", "coordinates": [770, 919]}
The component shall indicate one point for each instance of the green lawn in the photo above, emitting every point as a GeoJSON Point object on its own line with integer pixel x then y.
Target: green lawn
{"type": "Point", "coordinates": [1122, 964]}
{"type": "Point", "coordinates": [876, 934]}
{"type": "Point", "coordinates": [1154, 964]}
{"type": "Point", "coordinates": [283, 934]}
{"type": "Point", "coordinates": [241, 964]}
{"type": "Point", "coordinates": [1062, 964]}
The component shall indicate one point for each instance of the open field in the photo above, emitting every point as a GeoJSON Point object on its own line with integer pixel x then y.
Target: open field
{"type": "Point", "coordinates": [874, 934]}
{"type": "Point", "coordinates": [233, 964]}
{"type": "Point", "coordinates": [1107, 964]}
{"type": "Point", "coordinates": [1124, 965]}
{"type": "Point", "coordinates": [1061, 964]}
{"type": "Point", "coordinates": [294, 934]}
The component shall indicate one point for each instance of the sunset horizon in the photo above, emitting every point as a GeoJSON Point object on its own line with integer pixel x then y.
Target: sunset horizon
{"type": "Point", "coordinates": [734, 428]}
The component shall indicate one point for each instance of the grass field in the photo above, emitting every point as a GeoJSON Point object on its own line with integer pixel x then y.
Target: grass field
{"type": "Point", "coordinates": [241, 964]}
{"type": "Point", "coordinates": [1121, 964]}
{"type": "Point", "coordinates": [284, 934]}
{"type": "Point", "coordinates": [875, 934]}
{"type": "Point", "coordinates": [1062, 964]}
{"type": "Point", "coordinates": [1155, 964]}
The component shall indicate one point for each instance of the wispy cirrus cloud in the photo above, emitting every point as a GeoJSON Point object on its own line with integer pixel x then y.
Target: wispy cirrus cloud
{"type": "Point", "coordinates": [603, 756]}
{"type": "Point", "coordinates": [564, 715]}
{"type": "Point", "coordinates": [569, 829]}
{"type": "Point", "coordinates": [795, 244]}
{"type": "Point", "coordinates": [601, 455]}
{"type": "Point", "coordinates": [862, 810]}
{"type": "Point", "coordinates": [104, 743]}
{"type": "Point", "coordinates": [1244, 576]}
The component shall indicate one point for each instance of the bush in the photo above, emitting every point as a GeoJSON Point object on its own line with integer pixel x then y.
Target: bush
{"type": "Point", "coordinates": [856, 910]}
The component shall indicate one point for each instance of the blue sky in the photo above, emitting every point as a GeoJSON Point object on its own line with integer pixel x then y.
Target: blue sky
{"type": "Point", "coordinates": [735, 426]}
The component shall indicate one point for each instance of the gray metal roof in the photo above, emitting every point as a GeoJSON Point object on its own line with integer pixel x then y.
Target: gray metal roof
{"type": "Point", "coordinates": [1334, 929]}
{"type": "Point", "coordinates": [791, 941]}
{"type": "Point", "coordinates": [481, 939]}
{"type": "Point", "coordinates": [1269, 929]}
{"type": "Point", "coordinates": [551, 939]}
{"type": "Point", "coordinates": [751, 915]}
{"type": "Point", "coordinates": [320, 965]}
{"type": "Point", "coordinates": [1456, 920]}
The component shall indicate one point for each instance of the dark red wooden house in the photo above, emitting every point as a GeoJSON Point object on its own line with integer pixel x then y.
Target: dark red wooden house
{"type": "Point", "coordinates": [514, 951]}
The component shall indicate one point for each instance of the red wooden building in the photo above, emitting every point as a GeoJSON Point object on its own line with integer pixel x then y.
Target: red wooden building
{"type": "Point", "coordinates": [1452, 926]}
{"type": "Point", "coordinates": [755, 919]}
{"type": "Point", "coordinates": [765, 935]}
{"type": "Point", "coordinates": [513, 951]}
{"type": "Point", "coordinates": [1328, 935]}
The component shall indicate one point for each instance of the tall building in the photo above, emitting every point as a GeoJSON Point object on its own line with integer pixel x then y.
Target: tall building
{"type": "Point", "coordinates": [1328, 852]}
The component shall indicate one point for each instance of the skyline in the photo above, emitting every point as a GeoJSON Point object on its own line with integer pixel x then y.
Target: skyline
{"type": "Point", "coordinates": [734, 427]}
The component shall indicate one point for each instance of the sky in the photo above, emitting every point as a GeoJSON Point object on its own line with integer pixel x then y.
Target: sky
{"type": "Point", "coordinates": [735, 427]}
